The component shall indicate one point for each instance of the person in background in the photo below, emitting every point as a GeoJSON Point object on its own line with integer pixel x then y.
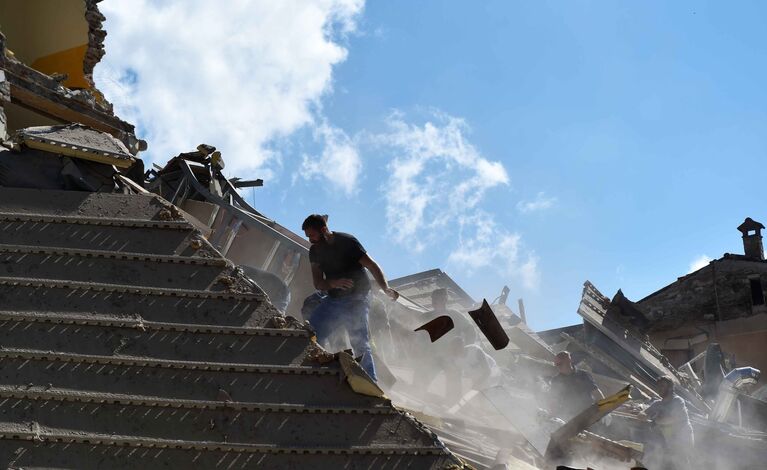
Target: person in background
{"type": "Point", "coordinates": [571, 390]}
{"type": "Point", "coordinates": [464, 327]}
{"type": "Point", "coordinates": [272, 285]}
{"type": "Point", "coordinates": [338, 263]}
{"type": "Point", "coordinates": [672, 422]}
{"type": "Point", "coordinates": [475, 364]}
{"type": "Point", "coordinates": [445, 356]}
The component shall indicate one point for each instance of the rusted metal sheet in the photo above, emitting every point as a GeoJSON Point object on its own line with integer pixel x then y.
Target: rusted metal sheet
{"type": "Point", "coordinates": [74, 335]}
{"type": "Point", "coordinates": [489, 325]}
{"type": "Point", "coordinates": [26, 449]}
{"type": "Point", "coordinates": [438, 327]}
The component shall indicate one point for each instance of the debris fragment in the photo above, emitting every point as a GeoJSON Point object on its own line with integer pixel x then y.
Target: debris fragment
{"type": "Point", "coordinates": [489, 325]}
{"type": "Point", "coordinates": [319, 355]}
{"type": "Point", "coordinates": [358, 379]}
{"type": "Point", "coordinates": [278, 322]}
{"type": "Point", "coordinates": [170, 213]}
{"type": "Point", "coordinates": [438, 327]}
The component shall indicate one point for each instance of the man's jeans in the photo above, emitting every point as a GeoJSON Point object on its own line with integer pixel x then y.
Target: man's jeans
{"type": "Point", "coordinates": [348, 313]}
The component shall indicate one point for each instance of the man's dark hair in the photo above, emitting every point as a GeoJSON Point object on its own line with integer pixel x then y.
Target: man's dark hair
{"type": "Point", "coordinates": [315, 221]}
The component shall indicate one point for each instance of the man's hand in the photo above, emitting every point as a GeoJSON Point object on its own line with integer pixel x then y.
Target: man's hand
{"type": "Point", "coordinates": [341, 284]}
{"type": "Point", "coordinates": [393, 294]}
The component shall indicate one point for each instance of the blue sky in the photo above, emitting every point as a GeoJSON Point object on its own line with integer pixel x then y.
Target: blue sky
{"type": "Point", "coordinates": [534, 144]}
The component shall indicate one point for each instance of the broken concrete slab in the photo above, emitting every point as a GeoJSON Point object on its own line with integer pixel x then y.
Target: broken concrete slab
{"type": "Point", "coordinates": [79, 141]}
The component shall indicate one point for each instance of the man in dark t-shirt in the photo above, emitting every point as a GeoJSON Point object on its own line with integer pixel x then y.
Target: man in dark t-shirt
{"type": "Point", "coordinates": [572, 390]}
{"type": "Point", "coordinates": [338, 268]}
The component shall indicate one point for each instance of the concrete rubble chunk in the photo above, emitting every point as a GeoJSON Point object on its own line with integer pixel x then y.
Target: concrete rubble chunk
{"type": "Point", "coordinates": [76, 140]}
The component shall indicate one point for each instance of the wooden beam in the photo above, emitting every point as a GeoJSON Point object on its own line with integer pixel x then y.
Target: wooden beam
{"type": "Point", "coordinates": [52, 109]}
{"type": "Point", "coordinates": [586, 418]}
{"type": "Point", "coordinates": [50, 102]}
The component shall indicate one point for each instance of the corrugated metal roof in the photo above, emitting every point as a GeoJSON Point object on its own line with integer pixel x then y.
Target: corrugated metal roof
{"type": "Point", "coordinates": [129, 342]}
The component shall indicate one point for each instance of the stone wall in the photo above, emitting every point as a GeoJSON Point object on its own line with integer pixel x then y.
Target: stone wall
{"type": "Point", "coordinates": [714, 303]}
{"type": "Point", "coordinates": [717, 292]}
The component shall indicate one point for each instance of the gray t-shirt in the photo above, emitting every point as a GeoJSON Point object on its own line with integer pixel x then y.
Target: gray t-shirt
{"type": "Point", "coordinates": [340, 260]}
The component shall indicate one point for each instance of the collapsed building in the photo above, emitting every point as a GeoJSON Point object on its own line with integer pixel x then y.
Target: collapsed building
{"type": "Point", "coordinates": [153, 318]}
{"type": "Point", "coordinates": [130, 338]}
{"type": "Point", "coordinates": [703, 332]}
{"type": "Point", "coordinates": [706, 332]}
{"type": "Point", "coordinates": [720, 304]}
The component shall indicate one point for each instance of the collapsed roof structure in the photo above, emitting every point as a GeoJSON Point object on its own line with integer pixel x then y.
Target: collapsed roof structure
{"type": "Point", "coordinates": [129, 338]}
{"type": "Point", "coordinates": [154, 318]}
{"type": "Point", "coordinates": [697, 331]}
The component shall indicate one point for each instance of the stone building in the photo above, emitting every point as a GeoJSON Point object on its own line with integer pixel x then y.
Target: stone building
{"type": "Point", "coordinates": [722, 302]}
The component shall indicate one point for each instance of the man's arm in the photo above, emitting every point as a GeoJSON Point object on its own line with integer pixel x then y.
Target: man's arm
{"type": "Point", "coordinates": [597, 394]}
{"type": "Point", "coordinates": [367, 262]}
{"type": "Point", "coordinates": [320, 283]}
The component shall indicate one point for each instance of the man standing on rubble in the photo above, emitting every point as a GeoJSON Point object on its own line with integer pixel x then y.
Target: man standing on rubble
{"type": "Point", "coordinates": [669, 414]}
{"type": "Point", "coordinates": [571, 390]}
{"type": "Point", "coordinates": [338, 268]}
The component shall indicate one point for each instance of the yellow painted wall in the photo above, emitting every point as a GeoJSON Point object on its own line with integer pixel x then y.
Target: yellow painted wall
{"type": "Point", "coordinates": [48, 35]}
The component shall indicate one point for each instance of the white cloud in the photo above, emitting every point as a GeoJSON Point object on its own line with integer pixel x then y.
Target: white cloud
{"type": "Point", "coordinates": [699, 262]}
{"type": "Point", "coordinates": [235, 74]}
{"type": "Point", "coordinates": [483, 244]}
{"type": "Point", "coordinates": [339, 163]}
{"type": "Point", "coordinates": [540, 203]}
{"type": "Point", "coordinates": [435, 175]}
{"type": "Point", "coordinates": [436, 188]}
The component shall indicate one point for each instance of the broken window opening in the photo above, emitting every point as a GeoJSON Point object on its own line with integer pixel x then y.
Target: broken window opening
{"type": "Point", "coordinates": [757, 293]}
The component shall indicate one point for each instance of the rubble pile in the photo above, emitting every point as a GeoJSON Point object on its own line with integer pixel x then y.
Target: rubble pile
{"type": "Point", "coordinates": [505, 421]}
{"type": "Point", "coordinates": [142, 333]}
{"type": "Point", "coordinates": [155, 319]}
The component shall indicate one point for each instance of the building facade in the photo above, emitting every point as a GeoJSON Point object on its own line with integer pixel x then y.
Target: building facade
{"type": "Point", "coordinates": [723, 302]}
